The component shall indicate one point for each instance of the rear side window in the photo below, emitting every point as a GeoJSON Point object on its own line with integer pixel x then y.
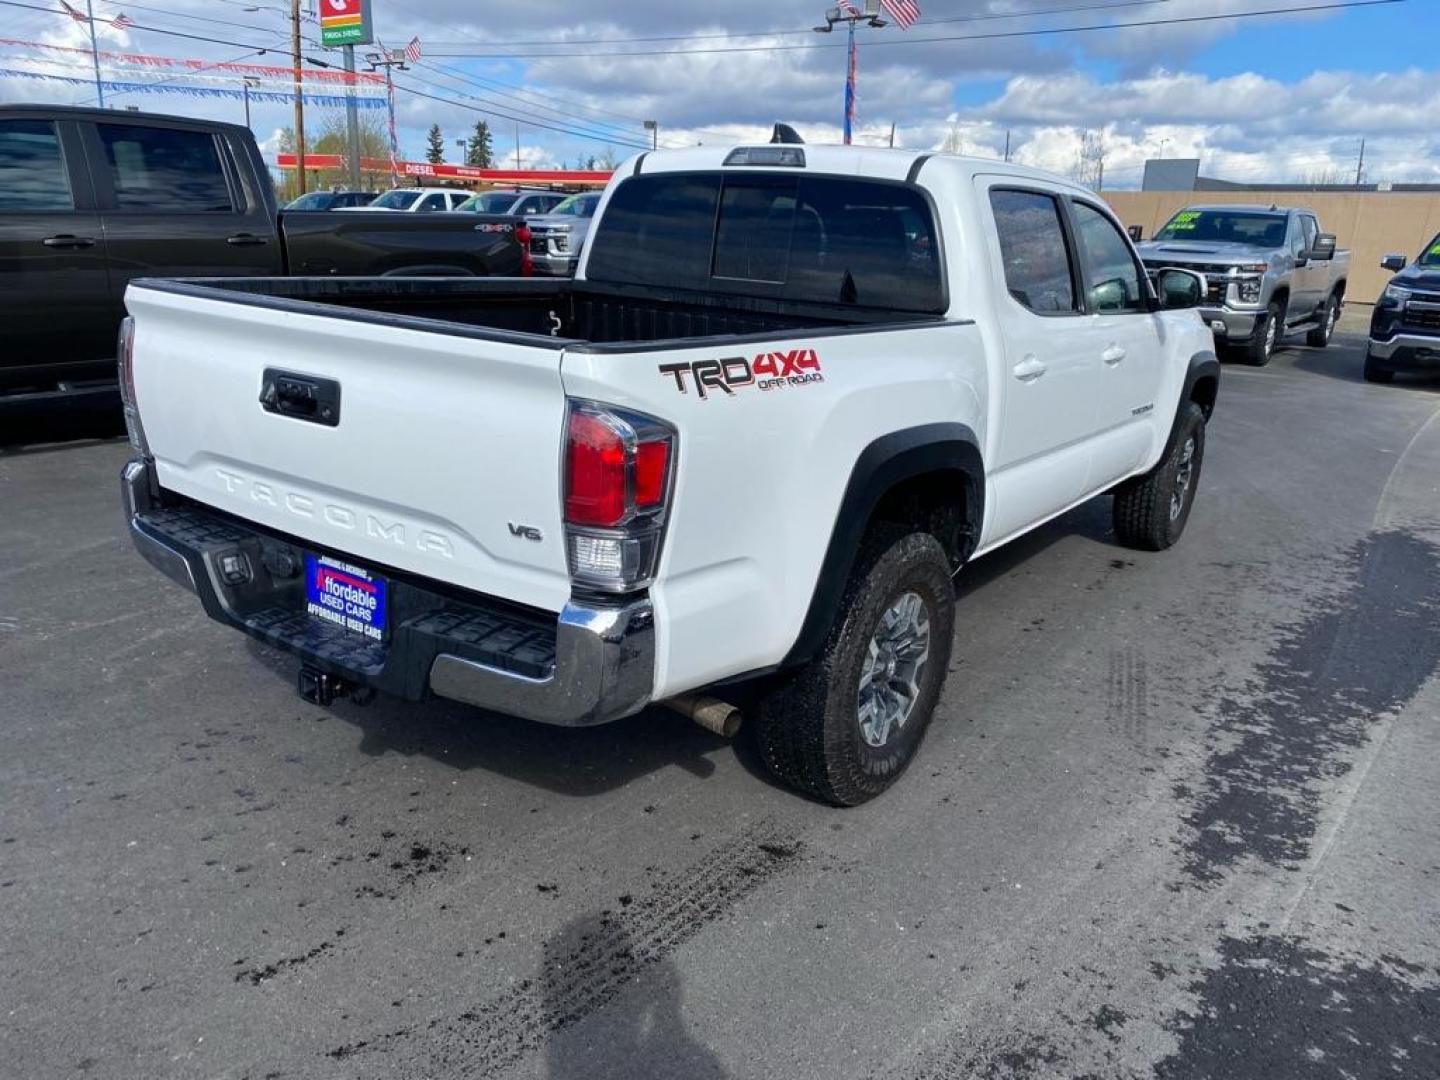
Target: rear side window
{"type": "Point", "coordinates": [1033, 251]}
{"type": "Point", "coordinates": [165, 170]}
{"type": "Point", "coordinates": [815, 239]}
{"type": "Point", "coordinates": [32, 172]}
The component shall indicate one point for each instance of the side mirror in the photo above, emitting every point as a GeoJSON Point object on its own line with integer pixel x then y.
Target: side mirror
{"type": "Point", "coordinates": [1179, 289]}
{"type": "Point", "coordinates": [1393, 263]}
{"type": "Point", "coordinates": [1324, 248]}
{"type": "Point", "coordinates": [1137, 232]}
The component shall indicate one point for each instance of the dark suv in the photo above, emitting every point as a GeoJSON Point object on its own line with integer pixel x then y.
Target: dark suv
{"type": "Point", "coordinates": [1405, 328]}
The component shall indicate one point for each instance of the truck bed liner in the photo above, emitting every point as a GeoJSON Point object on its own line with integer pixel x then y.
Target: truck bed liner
{"type": "Point", "coordinates": [563, 313]}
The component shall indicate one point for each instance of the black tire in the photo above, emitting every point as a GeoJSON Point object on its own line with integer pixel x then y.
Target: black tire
{"type": "Point", "coordinates": [808, 723]}
{"type": "Point", "coordinates": [1266, 338]}
{"type": "Point", "coordinates": [1375, 373]}
{"type": "Point", "coordinates": [1151, 510]}
{"type": "Point", "coordinates": [1329, 314]}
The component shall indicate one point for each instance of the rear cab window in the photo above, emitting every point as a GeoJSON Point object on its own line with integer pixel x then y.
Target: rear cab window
{"type": "Point", "coordinates": [806, 238]}
{"type": "Point", "coordinates": [164, 170]}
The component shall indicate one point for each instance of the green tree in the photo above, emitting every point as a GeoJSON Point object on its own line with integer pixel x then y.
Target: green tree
{"type": "Point", "coordinates": [434, 145]}
{"type": "Point", "coordinates": [329, 136]}
{"type": "Point", "coordinates": [480, 152]}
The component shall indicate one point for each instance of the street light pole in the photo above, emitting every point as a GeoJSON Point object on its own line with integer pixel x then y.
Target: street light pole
{"type": "Point", "coordinates": [390, 60]}
{"type": "Point", "coordinates": [850, 16]}
{"type": "Point", "coordinates": [95, 54]}
{"type": "Point", "coordinates": [653, 126]}
{"type": "Point", "coordinates": [461, 145]}
{"type": "Point", "coordinates": [246, 83]}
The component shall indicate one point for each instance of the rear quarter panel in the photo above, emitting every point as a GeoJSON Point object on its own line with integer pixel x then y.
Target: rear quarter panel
{"type": "Point", "coordinates": [761, 473]}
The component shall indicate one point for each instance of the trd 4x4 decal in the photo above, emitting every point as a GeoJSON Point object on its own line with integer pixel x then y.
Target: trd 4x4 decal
{"type": "Point", "coordinates": [768, 371]}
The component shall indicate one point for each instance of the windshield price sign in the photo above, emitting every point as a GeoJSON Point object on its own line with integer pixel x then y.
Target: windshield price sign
{"type": "Point", "coordinates": [346, 22]}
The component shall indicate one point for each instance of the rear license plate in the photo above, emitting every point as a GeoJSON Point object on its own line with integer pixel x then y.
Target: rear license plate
{"type": "Point", "coordinates": [345, 595]}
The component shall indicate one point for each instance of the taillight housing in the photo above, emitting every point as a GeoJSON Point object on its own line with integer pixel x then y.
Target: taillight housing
{"type": "Point", "coordinates": [523, 236]}
{"type": "Point", "coordinates": [125, 358]}
{"type": "Point", "coordinates": [619, 470]}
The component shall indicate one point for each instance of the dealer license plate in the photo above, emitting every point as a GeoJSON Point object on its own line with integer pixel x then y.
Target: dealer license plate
{"type": "Point", "coordinates": [345, 595]}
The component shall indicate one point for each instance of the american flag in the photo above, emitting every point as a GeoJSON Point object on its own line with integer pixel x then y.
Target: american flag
{"type": "Point", "coordinates": [121, 21]}
{"type": "Point", "coordinates": [905, 12]}
{"type": "Point", "coordinates": [412, 51]}
{"type": "Point", "coordinates": [849, 10]}
{"type": "Point", "coordinates": [78, 16]}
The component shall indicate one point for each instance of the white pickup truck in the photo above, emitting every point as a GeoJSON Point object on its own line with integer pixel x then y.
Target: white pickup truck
{"type": "Point", "coordinates": [789, 393]}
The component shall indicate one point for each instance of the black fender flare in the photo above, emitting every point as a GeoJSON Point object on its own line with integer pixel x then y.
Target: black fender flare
{"type": "Point", "coordinates": [889, 460]}
{"type": "Point", "coordinates": [1203, 365]}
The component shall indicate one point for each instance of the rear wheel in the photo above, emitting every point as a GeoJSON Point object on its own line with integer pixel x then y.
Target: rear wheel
{"type": "Point", "coordinates": [1151, 510]}
{"type": "Point", "coordinates": [1329, 315]}
{"type": "Point", "coordinates": [846, 725]}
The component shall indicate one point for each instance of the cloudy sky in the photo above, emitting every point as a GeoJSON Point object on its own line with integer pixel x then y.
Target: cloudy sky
{"type": "Point", "coordinates": [1275, 97]}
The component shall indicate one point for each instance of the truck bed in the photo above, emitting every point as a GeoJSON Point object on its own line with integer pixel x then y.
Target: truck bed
{"type": "Point", "coordinates": [564, 313]}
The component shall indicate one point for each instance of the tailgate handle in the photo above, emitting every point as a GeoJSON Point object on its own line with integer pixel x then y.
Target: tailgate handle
{"type": "Point", "coordinates": [301, 397]}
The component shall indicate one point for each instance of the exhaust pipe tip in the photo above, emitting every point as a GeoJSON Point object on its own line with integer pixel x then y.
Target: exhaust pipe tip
{"type": "Point", "coordinates": [715, 716]}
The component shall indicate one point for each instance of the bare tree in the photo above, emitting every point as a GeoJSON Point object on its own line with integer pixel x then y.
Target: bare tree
{"type": "Point", "coordinates": [1089, 167]}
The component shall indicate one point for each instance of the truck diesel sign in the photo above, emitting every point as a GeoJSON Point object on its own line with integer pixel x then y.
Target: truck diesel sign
{"type": "Point", "coordinates": [346, 22]}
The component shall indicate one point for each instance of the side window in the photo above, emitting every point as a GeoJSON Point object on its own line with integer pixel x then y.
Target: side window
{"type": "Point", "coordinates": [525, 206]}
{"type": "Point", "coordinates": [456, 198]}
{"type": "Point", "coordinates": [1033, 250]}
{"type": "Point", "coordinates": [431, 203]}
{"type": "Point", "coordinates": [1297, 237]}
{"type": "Point", "coordinates": [32, 171]}
{"type": "Point", "coordinates": [1311, 230]}
{"type": "Point", "coordinates": [1112, 280]}
{"type": "Point", "coordinates": [165, 170]}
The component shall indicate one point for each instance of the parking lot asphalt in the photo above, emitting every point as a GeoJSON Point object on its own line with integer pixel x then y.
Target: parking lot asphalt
{"type": "Point", "coordinates": [1178, 817]}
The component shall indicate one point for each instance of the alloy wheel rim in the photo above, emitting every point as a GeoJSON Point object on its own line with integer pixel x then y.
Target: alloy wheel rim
{"type": "Point", "coordinates": [1271, 332]}
{"type": "Point", "coordinates": [892, 669]}
{"type": "Point", "coordinates": [1330, 316]}
{"type": "Point", "coordinates": [1184, 477]}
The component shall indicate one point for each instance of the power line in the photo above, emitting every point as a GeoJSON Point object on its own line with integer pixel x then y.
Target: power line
{"type": "Point", "coordinates": [1333, 5]}
{"type": "Point", "coordinates": [792, 33]}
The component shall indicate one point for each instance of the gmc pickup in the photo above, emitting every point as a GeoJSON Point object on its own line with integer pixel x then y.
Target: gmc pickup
{"type": "Point", "coordinates": [789, 393]}
{"type": "Point", "coordinates": [1271, 272]}
{"type": "Point", "coordinates": [91, 199]}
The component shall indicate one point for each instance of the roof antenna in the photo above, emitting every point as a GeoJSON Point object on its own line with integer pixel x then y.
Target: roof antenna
{"type": "Point", "coordinates": [784, 133]}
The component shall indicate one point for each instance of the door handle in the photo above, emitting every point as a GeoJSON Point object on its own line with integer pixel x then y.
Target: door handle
{"type": "Point", "coordinates": [1113, 355]}
{"type": "Point", "coordinates": [66, 240]}
{"type": "Point", "coordinates": [245, 240]}
{"type": "Point", "coordinates": [1029, 369]}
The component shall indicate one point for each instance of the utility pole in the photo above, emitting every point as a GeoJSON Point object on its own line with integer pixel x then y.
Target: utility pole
{"type": "Point", "coordinates": [892, 134]}
{"type": "Point", "coordinates": [850, 15]}
{"type": "Point", "coordinates": [390, 60]}
{"type": "Point", "coordinates": [653, 126]}
{"type": "Point", "coordinates": [352, 119]}
{"type": "Point", "coordinates": [517, 146]}
{"type": "Point", "coordinates": [1007, 144]}
{"type": "Point", "coordinates": [299, 98]}
{"type": "Point", "coordinates": [1360, 168]}
{"type": "Point", "coordinates": [95, 54]}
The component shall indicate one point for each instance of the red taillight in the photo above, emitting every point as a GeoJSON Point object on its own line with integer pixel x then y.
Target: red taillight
{"type": "Point", "coordinates": [617, 485]}
{"type": "Point", "coordinates": [594, 472]}
{"type": "Point", "coordinates": [527, 259]}
{"type": "Point", "coordinates": [651, 459]}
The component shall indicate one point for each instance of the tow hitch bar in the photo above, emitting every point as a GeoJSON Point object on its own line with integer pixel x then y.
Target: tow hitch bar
{"type": "Point", "coordinates": [320, 687]}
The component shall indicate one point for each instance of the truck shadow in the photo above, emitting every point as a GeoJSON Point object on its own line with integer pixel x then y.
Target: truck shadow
{"type": "Point", "coordinates": [568, 761]}
{"type": "Point", "coordinates": [593, 761]}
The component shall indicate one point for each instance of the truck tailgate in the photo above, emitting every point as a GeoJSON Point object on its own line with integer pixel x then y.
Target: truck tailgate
{"type": "Point", "coordinates": [444, 462]}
